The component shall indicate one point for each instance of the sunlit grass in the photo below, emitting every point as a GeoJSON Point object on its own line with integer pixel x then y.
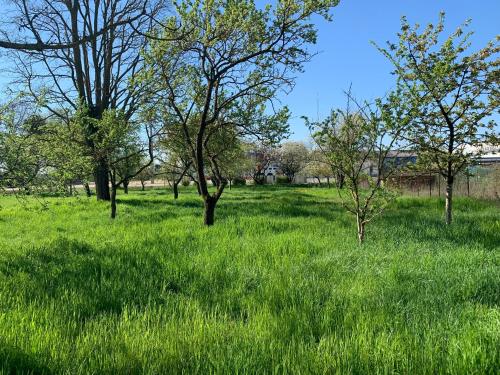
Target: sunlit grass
{"type": "Point", "coordinates": [278, 285]}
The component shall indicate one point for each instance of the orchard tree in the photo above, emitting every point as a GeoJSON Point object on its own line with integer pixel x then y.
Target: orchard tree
{"type": "Point", "coordinates": [357, 140]}
{"type": "Point", "coordinates": [37, 155]}
{"type": "Point", "coordinates": [292, 158]}
{"type": "Point", "coordinates": [219, 63]}
{"type": "Point", "coordinates": [261, 156]}
{"type": "Point", "coordinates": [453, 92]}
{"type": "Point", "coordinates": [120, 142]}
{"type": "Point", "coordinates": [317, 166]}
{"type": "Point", "coordinates": [73, 54]}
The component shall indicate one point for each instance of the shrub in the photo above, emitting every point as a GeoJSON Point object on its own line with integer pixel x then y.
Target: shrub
{"type": "Point", "coordinates": [282, 180]}
{"type": "Point", "coordinates": [238, 181]}
{"type": "Point", "coordinates": [185, 182]}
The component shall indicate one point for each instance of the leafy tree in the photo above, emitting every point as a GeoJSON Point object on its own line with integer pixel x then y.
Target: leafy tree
{"type": "Point", "coordinates": [37, 155]}
{"type": "Point", "coordinates": [261, 156]}
{"type": "Point", "coordinates": [218, 63]}
{"type": "Point", "coordinates": [318, 167]}
{"type": "Point", "coordinates": [72, 54]}
{"type": "Point", "coordinates": [119, 141]}
{"type": "Point", "coordinates": [357, 141]}
{"type": "Point", "coordinates": [452, 91]}
{"type": "Point", "coordinates": [145, 175]}
{"type": "Point", "coordinates": [293, 157]}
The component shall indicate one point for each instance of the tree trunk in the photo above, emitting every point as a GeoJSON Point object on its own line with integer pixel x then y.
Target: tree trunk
{"type": "Point", "coordinates": [328, 182]}
{"type": "Point", "coordinates": [125, 186]}
{"type": "Point", "coordinates": [230, 184]}
{"type": "Point", "coordinates": [101, 179]}
{"type": "Point", "coordinates": [340, 179]}
{"type": "Point", "coordinates": [209, 214]}
{"type": "Point", "coordinates": [176, 190]}
{"type": "Point", "coordinates": [87, 189]}
{"type": "Point", "coordinates": [319, 181]}
{"type": "Point", "coordinates": [449, 199]}
{"type": "Point", "coordinates": [113, 201]}
{"type": "Point", "coordinates": [361, 230]}
{"type": "Point", "coordinates": [197, 187]}
{"type": "Point", "coordinates": [143, 185]}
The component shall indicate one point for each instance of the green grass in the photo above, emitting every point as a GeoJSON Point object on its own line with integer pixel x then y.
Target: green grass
{"type": "Point", "coordinates": [278, 285]}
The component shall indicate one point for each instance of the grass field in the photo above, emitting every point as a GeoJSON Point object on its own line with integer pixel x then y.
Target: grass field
{"type": "Point", "coordinates": [278, 285]}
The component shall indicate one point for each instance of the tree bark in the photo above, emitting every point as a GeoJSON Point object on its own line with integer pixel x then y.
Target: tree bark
{"type": "Point", "coordinates": [87, 189]}
{"type": "Point", "coordinates": [143, 185]}
{"type": "Point", "coordinates": [449, 199]}
{"type": "Point", "coordinates": [101, 178]}
{"type": "Point", "coordinates": [197, 186]}
{"type": "Point", "coordinates": [209, 214]}
{"type": "Point", "coordinates": [340, 179]}
{"type": "Point", "coordinates": [113, 202]}
{"type": "Point", "coordinates": [328, 182]}
{"type": "Point", "coordinates": [125, 186]}
{"type": "Point", "coordinates": [176, 190]}
{"type": "Point", "coordinates": [361, 229]}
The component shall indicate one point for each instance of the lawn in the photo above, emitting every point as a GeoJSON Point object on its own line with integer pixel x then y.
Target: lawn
{"type": "Point", "coordinates": [278, 285]}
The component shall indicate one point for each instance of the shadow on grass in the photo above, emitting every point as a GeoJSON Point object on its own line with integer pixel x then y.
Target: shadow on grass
{"type": "Point", "coordinates": [427, 226]}
{"type": "Point", "coordinates": [14, 361]}
{"type": "Point", "coordinates": [98, 282]}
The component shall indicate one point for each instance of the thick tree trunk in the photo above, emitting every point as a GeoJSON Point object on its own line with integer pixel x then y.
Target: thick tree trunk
{"type": "Point", "coordinates": [361, 230]}
{"type": "Point", "coordinates": [176, 190]}
{"type": "Point", "coordinates": [449, 200]}
{"type": "Point", "coordinates": [125, 186]}
{"type": "Point", "coordinates": [87, 189]}
{"type": "Point", "coordinates": [101, 178]}
{"type": "Point", "coordinates": [209, 214]}
{"type": "Point", "coordinates": [113, 202]}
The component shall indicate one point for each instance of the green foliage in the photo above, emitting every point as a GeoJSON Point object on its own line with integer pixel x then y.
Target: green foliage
{"type": "Point", "coordinates": [238, 181]}
{"type": "Point", "coordinates": [451, 91]}
{"type": "Point", "coordinates": [39, 155]}
{"type": "Point", "coordinates": [357, 143]}
{"type": "Point", "coordinates": [278, 286]}
{"type": "Point", "coordinates": [293, 157]}
{"type": "Point", "coordinates": [282, 180]}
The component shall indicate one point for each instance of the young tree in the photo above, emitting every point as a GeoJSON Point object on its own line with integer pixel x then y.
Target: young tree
{"type": "Point", "coordinates": [120, 142]}
{"type": "Point", "coordinates": [145, 175]}
{"type": "Point", "coordinates": [357, 141]}
{"type": "Point", "coordinates": [72, 54]}
{"type": "Point", "coordinates": [231, 62]}
{"type": "Point", "coordinates": [452, 91]}
{"type": "Point", "coordinates": [293, 157]}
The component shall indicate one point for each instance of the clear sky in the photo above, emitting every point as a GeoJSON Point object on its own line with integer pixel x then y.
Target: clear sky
{"type": "Point", "coordinates": [346, 55]}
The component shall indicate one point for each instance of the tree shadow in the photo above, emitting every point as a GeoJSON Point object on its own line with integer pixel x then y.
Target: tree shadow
{"type": "Point", "coordinates": [101, 281]}
{"type": "Point", "coordinates": [430, 228]}
{"type": "Point", "coordinates": [14, 361]}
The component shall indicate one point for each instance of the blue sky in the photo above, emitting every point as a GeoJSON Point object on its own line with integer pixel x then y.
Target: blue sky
{"type": "Point", "coordinates": [346, 55]}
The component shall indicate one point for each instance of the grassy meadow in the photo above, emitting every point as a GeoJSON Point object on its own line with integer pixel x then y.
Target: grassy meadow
{"type": "Point", "coordinates": [278, 285]}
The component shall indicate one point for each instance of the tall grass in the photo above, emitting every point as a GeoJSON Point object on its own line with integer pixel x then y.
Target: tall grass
{"type": "Point", "coordinates": [278, 285]}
